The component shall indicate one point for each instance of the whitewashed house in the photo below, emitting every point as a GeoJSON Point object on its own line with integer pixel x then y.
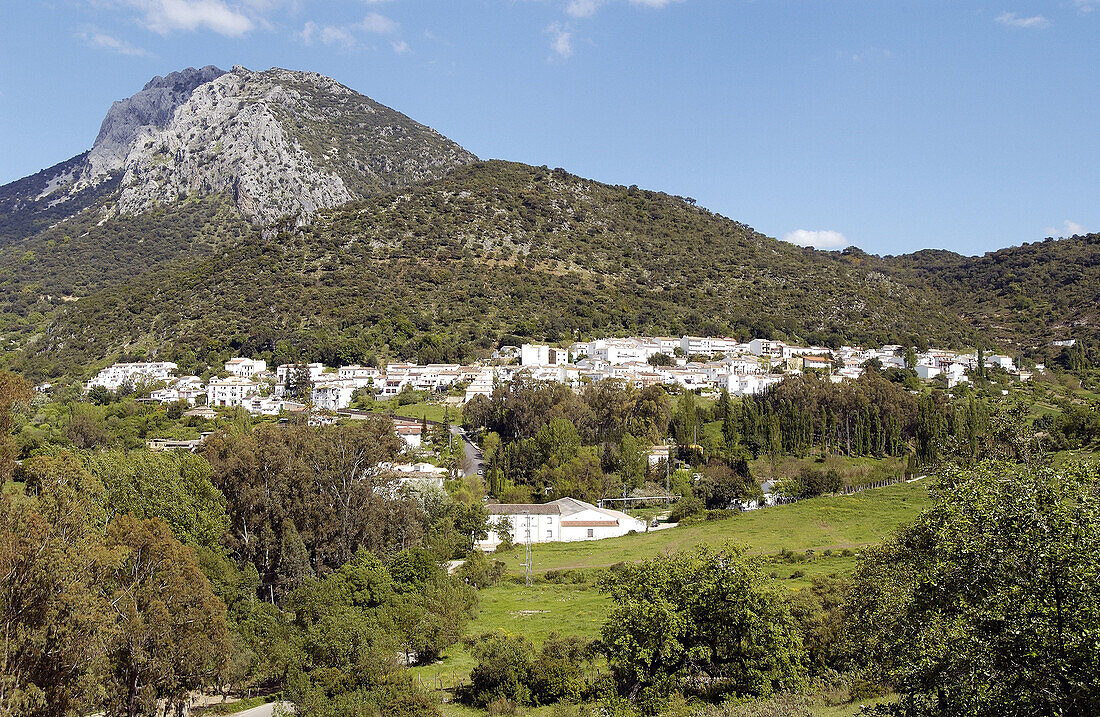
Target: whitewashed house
{"type": "Point", "coordinates": [316, 370]}
{"type": "Point", "coordinates": [542, 355]}
{"type": "Point", "coordinates": [332, 393]}
{"type": "Point", "coordinates": [117, 374]}
{"type": "Point", "coordinates": [480, 386]}
{"type": "Point", "coordinates": [927, 370]}
{"type": "Point", "coordinates": [419, 476]}
{"type": "Point", "coordinates": [245, 367]}
{"type": "Point", "coordinates": [410, 432]}
{"type": "Point", "coordinates": [562, 521]}
{"type": "Point", "coordinates": [231, 391]}
{"type": "Point", "coordinates": [184, 388]}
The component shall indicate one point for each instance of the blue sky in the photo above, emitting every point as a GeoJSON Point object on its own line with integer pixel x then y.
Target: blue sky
{"type": "Point", "coordinates": [892, 125]}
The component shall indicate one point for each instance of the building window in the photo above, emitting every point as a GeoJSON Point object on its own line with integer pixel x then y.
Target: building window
{"type": "Point", "coordinates": [590, 533]}
{"type": "Point", "coordinates": [549, 535]}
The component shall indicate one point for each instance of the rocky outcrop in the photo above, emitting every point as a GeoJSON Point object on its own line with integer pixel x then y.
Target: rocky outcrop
{"type": "Point", "coordinates": [278, 143]}
{"type": "Point", "coordinates": [282, 144]}
{"type": "Point", "coordinates": [148, 110]}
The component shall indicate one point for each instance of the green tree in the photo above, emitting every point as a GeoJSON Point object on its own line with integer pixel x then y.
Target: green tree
{"type": "Point", "coordinates": [703, 619]}
{"type": "Point", "coordinates": [171, 485]}
{"type": "Point", "coordinates": [987, 604]}
{"type": "Point", "coordinates": [172, 636]}
{"type": "Point", "coordinates": [55, 617]}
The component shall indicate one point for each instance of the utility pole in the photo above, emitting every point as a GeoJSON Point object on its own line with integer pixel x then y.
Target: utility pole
{"type": "Point", "coordinates": [668, 489]}
{"type": "Point", "coordinates": [527, 566]}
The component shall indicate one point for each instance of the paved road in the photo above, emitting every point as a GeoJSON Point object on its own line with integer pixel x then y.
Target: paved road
{"type": "Point", "coordinates": [263, 710]}
{"type": "Point", "coordinates": [475, 463]}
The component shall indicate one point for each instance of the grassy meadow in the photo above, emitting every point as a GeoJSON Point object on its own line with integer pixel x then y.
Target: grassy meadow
{"type": "Point", "coordinates": [796, 542]}
{"type": "Point", "coordinates": [829, 523]}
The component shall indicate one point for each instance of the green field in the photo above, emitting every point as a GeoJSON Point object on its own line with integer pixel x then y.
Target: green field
{"type": "Point", "coordinates": [818, 524]}
{"type": "Point", "coordinates": [571, 604]}
{"type": "Point", "coordinates": [431, 411]}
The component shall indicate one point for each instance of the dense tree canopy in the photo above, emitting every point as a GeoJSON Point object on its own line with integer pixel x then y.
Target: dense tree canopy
{"type": "Point", "coordinates": [987, 605]}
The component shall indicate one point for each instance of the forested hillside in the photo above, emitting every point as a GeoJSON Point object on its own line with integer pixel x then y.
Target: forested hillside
{"type": "Point", "coordinates": [442, 271]}
{"type": "Point", "coordinates": [79, 257]}
{"type": "Point", "coordinates": [1023, 296]}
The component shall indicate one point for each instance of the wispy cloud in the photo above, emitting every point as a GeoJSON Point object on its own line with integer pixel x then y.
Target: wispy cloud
{"type": "Point", "coordinates": [166, 16]}
{"type": "Point", "coordinates": [1011, 19]}
{"type": "Point", "coordinates": [378, 24]}
{"type": "Point", "coordinates": [102, 41]}
{"type": "Point", "coordinates": [346, 36]}
{"type": "Point", "coordinates": [820, 239]}
{"type": "Point", "coordinates": [327, 35]}
{"type": "Point", "coordinates": [1069, 228]}
{"type": "Point", "coordinates": [582, 8]}
{"type": "Point", "coordinates": [587, 8]}
{"type": "Point", "coordinates": [561, 39]}
{"type": "Point", "coordinates": [1086, 5]}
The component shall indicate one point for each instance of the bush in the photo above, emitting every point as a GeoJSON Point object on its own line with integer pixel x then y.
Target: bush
{"type": "Point", "coordinates": [502, 670]}
{"type": "Point", "coordinates": [687, 508]}
{"type": "Point", "coordinates": [479, 571]}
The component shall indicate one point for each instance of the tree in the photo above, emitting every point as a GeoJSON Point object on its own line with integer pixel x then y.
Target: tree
{"type": "Point", "coordinates": [14, 392]}
{"type": "Point", "coordinates": [987, 604]}
{"type": "Point", "coordinates": [910, 358]}
{"type": "Point", "coordinates": [55, 618]}
{"type": "Point", "coordinates": [729, 422]}
{"type": "Point", "coordinates": [720, 485]}
{"type": "Point", "coordinates": [299, 383]}
{"type": "Point", "coordinates": [700, 622]}
{"type": "Point", "coordinates": [175, 487]}
{"type": "Point", "coordinates": [502, 670]}
{"type": "Point", "coordinates": [172, 636]}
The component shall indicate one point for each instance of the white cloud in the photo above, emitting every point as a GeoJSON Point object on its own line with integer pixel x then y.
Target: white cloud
{"type": "Point", "coordinates": [587, 8]}
{"type": "Point", "coordinates": [823, 239]}
{"type": "Point", "coordinates": [1011, 19]}
{"type": "Point", "coordinates": [561, 41]}
{"type": "Point", "coordinates": [331, 35]}
{"type": "Point", "coordinates": [102, 41]}
{"type": "Point", "coordinates": [1086, 5]}
{"type": "Point", "coordinates": [378, 24]}
{"type": "Point", "coordinates": [1069, 228]}
{"type": "Point", "coordinates": [345, 35]}
{"type": "Point", "coordinates": [165, 16]}
{"type": "Point", "coordinates": [582, 8]}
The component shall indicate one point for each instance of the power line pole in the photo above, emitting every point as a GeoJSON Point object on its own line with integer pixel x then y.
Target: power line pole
{"type": "Point", "coordinates": [527, 566]}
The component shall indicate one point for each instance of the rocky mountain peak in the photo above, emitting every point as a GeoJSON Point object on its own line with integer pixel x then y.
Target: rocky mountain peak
{"type": "Point", "coordinates": [149, 109]}
{"type": "Point", "coordinates": [279, 143]}
{"type": "Point", "coordinates": [282, 143]}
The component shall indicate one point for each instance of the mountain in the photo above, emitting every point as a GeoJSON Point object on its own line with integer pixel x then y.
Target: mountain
{"type": "Point", "coordinates": [282, 215]}
{"type": "Point", "coordinates": [443, 270]}
{"type": "Point", "coordinates": [1019, 298]}
{"type": "Point", "coordinates": [282, 144]}
{"type": "Point", "coordinates": [278, 143]}
{"type": "Point", "coordinates": [91, 178]}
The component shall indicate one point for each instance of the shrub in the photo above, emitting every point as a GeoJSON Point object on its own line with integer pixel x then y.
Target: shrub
{"type": "Point", "coordinates": [687, 508]}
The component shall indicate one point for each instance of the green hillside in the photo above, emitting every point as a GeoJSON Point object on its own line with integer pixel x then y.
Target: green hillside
{"type": "Point", "coordinates": [1022, 296]}
{"type": "Point", "coordinates": [442, 271]}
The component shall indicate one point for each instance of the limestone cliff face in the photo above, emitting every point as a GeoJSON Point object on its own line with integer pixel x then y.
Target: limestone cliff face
{"type": "Point", "coordinates": [150, 109]}
{"type": "Point", "coordinates": [281, 144]}
{"type": "Point", "coordinates": [278, 143]}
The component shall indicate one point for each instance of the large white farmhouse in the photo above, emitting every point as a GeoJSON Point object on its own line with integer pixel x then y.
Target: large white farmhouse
{"type": "Point", "coordinates": [564, 520]}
